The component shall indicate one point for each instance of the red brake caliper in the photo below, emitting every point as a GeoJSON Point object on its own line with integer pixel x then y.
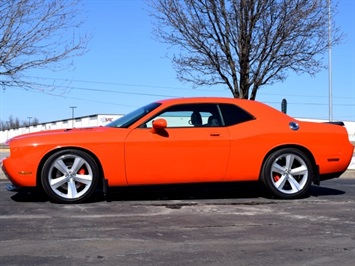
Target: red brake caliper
{"type": "Point", "coordinates": [276, 177]}
{"type": "Point", "coordinates": [81, 171]}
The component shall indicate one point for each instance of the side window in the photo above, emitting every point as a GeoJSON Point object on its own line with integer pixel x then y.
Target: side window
{"type": "Point", "coordinates": [189, 115]}
{"type": "Point", "coordinates": [233, 114]}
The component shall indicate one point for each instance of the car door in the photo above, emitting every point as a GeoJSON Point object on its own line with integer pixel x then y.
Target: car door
{"type": "Point", "coordinates": [189, 149]}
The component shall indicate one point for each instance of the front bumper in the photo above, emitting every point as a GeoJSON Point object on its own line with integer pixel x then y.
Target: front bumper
{"type": "Point", "coordinates": [2, 167]}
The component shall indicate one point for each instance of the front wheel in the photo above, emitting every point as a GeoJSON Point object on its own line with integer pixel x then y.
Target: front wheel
{"type": "Point", "coordinates": [287, 173]}
{"type": "Point", "coordinates": [70, 176]}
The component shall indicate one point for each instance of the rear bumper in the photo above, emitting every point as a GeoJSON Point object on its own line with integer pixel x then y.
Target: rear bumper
{"type": "Point", "coordinates": [322, 177]}
{"type": "Point", "coordinates": [330, 176]}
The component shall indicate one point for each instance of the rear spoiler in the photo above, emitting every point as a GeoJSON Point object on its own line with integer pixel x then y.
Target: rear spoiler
{"type": "Point", "coordinates": [339, 123]}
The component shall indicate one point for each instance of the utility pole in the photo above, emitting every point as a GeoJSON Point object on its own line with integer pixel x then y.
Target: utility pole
{"type": "Point", "coordinates": [330, 62]}
{"type": "Point", "coordinates": [29, 123]}
{"type": "Point", "coordinates": [72, 114]}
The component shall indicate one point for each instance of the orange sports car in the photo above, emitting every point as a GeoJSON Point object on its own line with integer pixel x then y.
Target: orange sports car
{"type": "Point", "coordinates": [188, 140]}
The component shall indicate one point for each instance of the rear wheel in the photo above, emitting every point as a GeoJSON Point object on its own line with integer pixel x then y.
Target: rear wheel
{"type": "Point", "coordinates": [287, 173]}
{"type": "Point", "coordinates": [70, 176]}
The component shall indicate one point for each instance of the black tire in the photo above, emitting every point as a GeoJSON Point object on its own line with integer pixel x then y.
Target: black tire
{"type": "Point", "coordinates": [287, 173]}
{"type": "Point", "coordinates": [70, 176]}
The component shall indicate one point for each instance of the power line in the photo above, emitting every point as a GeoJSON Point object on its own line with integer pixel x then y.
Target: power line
{"type": "Point", "coordinates": [168, 96]}
{"type": "Point", "coordinates": [166, 87]}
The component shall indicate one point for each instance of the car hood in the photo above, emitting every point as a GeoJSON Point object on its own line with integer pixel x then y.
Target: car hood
{"type": "Point", "coordinates": [69, 136]}
{"type": "Point", "coordinates": [59, 132]}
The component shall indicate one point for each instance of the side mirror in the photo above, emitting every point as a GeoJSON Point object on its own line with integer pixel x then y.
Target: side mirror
{"type": "Point", "coordinates": [159, 124]}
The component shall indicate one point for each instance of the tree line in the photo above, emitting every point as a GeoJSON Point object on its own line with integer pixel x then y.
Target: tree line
{"type": "Point", "coordinates": [14, 123]}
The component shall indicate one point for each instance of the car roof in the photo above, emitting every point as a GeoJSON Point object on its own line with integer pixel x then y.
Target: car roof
{"type": "Point", "coordinates": [256, 108]}
{"type": "Point", "coordinates": [201, 99]}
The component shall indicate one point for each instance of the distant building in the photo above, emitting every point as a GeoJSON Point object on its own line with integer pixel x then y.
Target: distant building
{"type": "Point", "coordinates": [77, 122]}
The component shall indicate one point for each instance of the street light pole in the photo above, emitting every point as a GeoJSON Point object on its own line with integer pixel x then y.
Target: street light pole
{"type": "Point", "coordinates": [29, 123]}
{"type": "Point", "coordinates": [72, 114]}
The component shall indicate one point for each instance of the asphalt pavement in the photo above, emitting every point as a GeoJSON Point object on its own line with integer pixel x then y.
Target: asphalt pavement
{"type": "Point", "coordinates": [234, 224]}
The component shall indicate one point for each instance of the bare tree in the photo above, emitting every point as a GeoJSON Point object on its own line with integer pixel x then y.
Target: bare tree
{"type": "Point", "coordinates": [10, 124]}
{"type": "Point", "coordinates": [13, 123]}
{"type": "Point", "coordinates": [36, 34]}
{"type": "Point", "coordinates": [244, 44]}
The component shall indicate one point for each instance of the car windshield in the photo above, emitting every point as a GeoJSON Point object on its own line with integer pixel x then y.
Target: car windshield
{"type": "Point", "coordinates": [128, 119]}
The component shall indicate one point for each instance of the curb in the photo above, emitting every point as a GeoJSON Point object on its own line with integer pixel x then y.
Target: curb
{"type": "Point", "coordinates": [352, 164]}
{"type": "Point", "coordinates": [349, 174]}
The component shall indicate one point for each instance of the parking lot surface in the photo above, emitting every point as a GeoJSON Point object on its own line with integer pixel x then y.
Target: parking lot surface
{"type": "Point", "coordinates": [221, 224]}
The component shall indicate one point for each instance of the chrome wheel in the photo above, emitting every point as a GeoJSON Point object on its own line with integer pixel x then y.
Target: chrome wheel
{"type": "Point", "coordinates": [69, 176]}
{"type": "Point", "coordinates": [287, 173]}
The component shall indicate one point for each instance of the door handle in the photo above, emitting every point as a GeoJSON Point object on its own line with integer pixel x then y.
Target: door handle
{"type": "Point", "coordinates": [215, 134]}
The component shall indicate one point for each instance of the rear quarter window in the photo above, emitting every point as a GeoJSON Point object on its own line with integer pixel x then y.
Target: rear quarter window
{"type": "Point", "coordinates": [233, 115]}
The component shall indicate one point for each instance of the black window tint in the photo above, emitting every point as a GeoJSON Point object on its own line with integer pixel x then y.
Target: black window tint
{"type": "Point", "coordinates": [233, 114]}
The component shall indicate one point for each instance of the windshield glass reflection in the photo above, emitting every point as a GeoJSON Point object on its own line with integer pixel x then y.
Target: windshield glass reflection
{"type": "Point", "coordinates": [130, 118]}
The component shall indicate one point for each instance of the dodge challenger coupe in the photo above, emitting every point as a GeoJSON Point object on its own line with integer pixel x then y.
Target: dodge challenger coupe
{"type": "Point", "coordinates": [180, 141]}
